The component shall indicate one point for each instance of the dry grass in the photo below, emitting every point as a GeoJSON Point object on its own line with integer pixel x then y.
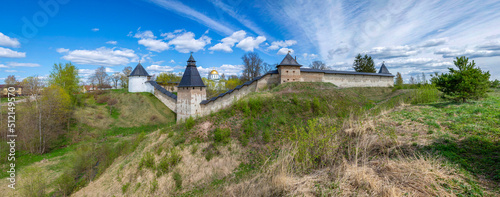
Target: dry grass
{"type": "Point", "coordinates": [373, 163]}
{"type": "Point", "coordinates": [195, 170]}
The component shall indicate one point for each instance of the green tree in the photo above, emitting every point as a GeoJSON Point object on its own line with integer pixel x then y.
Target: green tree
{"type": "Point", "coordinates": [65, 77]}
{"type": "Point", "coordinates": [166, 77]}
{"type": "Point", "coordinates": [399, 79]}
{"type": "Point", "coordinates": [468, 82]}
{"type": "Point", "coordinates": [495, 84]}
{"type": "Point", "coordinates": [364, 64]}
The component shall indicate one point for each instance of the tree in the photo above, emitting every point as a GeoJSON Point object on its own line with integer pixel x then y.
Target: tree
{"type": "Point", "coordinates": [115, 78]}
{"type": "Point", "coordinates": [65, 77]}
{"type": "Point", "coordinates": [252, 66]}
{"type": "Point", "coordinates": [364, 64]}
{"type": "Point", "coordinates": [124, 77]}
{"type": "Point", "coordinates": [424, 80]}
{"type": "Point", "coordinates": [11, 80]}
{"type": "Point", "coordinates": [399, 79]}
{"type": "Point", "coordinates": [166, 77]}
{"type": "Point", "coordinates": [267, 67]}
{"type": "Point", "coordinates": [495, 84]}
{"type": "Point", "coordinates": [223, 77]}
{"type": "Point", "coordinates": [468, 82]}
{"type": "Point", "coordinates": [318, 65]}
{"type": "Point", "coordinates": [101, 77]}
{"type": "Point", "coordinates": [412, 80]}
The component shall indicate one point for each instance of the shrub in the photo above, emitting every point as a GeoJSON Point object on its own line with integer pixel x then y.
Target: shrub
{"type": "Point", "coordinates": [425, 94]}
{"type": "Point", "coordinates": [102, 99]}
{"type": "Point", "coordinates": [169, 161]}
{"type": "Point", "coordinates": [34, 184]}
{"type": "Point", "coordinates": [178, 180]}
{"type": "Point", "coordinates": [148, 161]}
{"type": "Point", "coordinates": [125, 187]}
{"type": "Point", "coordinates": [189, 123]}
{"type": "Point", "coordinates": [222, 135]}
{"type": "Point", "coordinates": [316, 106]}
{"type": "Point", "coordinates": [154, 186]}
{"type": "Point", "coordinates": [255, 104]}
{"type": "Point", "coordinates": [248, 126]}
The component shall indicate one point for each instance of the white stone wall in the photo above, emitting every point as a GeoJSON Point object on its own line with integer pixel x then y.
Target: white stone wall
{"type": "Point", "coordinates": [168, 101]}
{"type": "Point", "coordinates": [138, 84]}
{"type": "Point", "coordinates": [345, 80]}
{"type": "Point", "coordinates": [228, 99]}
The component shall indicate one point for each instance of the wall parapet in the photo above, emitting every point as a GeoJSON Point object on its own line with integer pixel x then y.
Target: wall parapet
{"type": "Point", "coordinates": [248, 83]}
{"type": "Point", "coordinates": [162, 90]}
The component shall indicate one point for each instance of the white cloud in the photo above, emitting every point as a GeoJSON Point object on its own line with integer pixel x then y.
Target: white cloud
{"type": "Point", "coordinates": [148, 39]}
{"type": "Point", "coordinates": [250, 43]}
{"type": "Point", "coordinates": [4, 52]}
{"type": "Point", "coordinates": [470, 53]}
{"type": "Point", "coordinates": [3, 66]}
{"type": "Point", "coordinates": [159, 68]}
{"type": "Point", "coordinates": [17, 64]}
{"type": "Point", "coordinates": [11, 71]}
{"type": "Point", "coordinates": [95, 29]}
{"type": "Point", "coordinates": [62, 50]}
{"type": "Point", "coordinates": [186, 42]}
{"type": "Point", "coordinates": [180, 8]}
{"type": "Point", "coordinates": [281, 44]}
{"type": "Point", "coordinates": [101, 56]}
{"type": "Point", "coordinates": [112, 42]}
{"type": "Point", "coordinates": [435, 42]}
{"type": "Point", "coordinates": [227, 43]}
{"type": "Point", "coordinates": [226, 69]}
{"type": "Point", "coordinates": [392, 52]}
{"type": "Point", "coordinates": [172, 61]}
{"type": "Point", "coordinates": [309, 56]}
{"type": "Point", "coordinates": [7, 41]}
{"type": "Point", "coordinates": [154, 45]}
{"type": "Point", "coordinates": [284, 51]}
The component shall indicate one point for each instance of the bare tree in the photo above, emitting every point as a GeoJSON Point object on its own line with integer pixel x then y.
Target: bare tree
{"type": "Point", "coordinates": [318, 65]}
{"type": "Point", "coordinates": [268, 67]}
{"type": "Point", "coordinates": [115, 78]}
{"type": "Point", "coordinates": [101, 77]}
{"type": "Point", "coordinates": [124, 76]}
{"type": "Point", "coordinates": [11, 80]}
{"type": "Point", "coordinates": [252, 66]}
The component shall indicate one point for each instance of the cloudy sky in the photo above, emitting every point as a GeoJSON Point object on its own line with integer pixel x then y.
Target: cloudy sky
{"type": "Point", "coordinates": [410, 36]}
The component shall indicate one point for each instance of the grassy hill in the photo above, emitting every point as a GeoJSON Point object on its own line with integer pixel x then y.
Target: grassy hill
{"type": "Point", "coordinates": [310, 139]}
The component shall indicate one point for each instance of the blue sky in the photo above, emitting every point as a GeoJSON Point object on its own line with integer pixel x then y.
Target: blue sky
{"type": "Point", "coordinates": [411, 36]}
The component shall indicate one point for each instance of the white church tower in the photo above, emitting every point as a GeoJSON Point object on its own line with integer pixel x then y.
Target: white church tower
{"type": "Point", "coordinates": [137, 80]}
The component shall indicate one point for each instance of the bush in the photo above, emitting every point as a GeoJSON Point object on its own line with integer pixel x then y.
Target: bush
{"type": "Point", "coordinates": [147, 161]}
{"type": "Point", "coordinates": [125, 187]}
{"type": "Point", "coordinates": [316, 106]}
{"type": "Point", "coordinates": [178, 180]}
{"type": "Point", "coordinates": [102, 99]}
{"type": "Point", "coordinates": [222, 135]}
{"type": "Point", "coordinates": [34, 184]}
{"type": "Point", "coordinates": [189, 123]}
{"type": "Point", "coordinates": [425, 94]}
{"type": "Point", "coordinates": [248, 126]}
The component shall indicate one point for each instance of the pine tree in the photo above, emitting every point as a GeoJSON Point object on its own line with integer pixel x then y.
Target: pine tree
{"type": "Point", "coordinates": [364, 64]}
{"type": "Point", "coordinates": [468, 82]}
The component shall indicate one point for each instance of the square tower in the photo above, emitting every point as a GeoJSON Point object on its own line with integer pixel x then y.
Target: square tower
{"type": "Point", "coordinates": [289, 70]}
{"type": "Point", "coordinates": [190, 92]}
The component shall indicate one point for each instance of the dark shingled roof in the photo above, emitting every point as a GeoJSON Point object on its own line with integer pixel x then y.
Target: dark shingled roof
{"type": "Point", "coordinates": [139, 71]}
{"type": "Point", "coordinates": [289, 61]}
{"type": "Point", "coordinates": [191, 77]}
{"type": "Point", "coordinates": [384, 69]}
{"type": "Point", "coordinates": [312, 70]}
{"type": "Point", "coordinates": [162, 90]}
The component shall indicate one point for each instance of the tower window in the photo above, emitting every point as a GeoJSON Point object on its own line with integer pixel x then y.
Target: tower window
{"type": "Point", "coordinates": [293, 71]}
{"type": "Point", "coordinates": [287, 71]}
{"type": "Point", "coordinates": [193, 88]}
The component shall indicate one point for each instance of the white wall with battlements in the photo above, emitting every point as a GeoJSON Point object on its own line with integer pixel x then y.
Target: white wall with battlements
{"type": "Point", "coordinates": [346, 80]}
{"type": "Point", "coordinates": [168, 101]}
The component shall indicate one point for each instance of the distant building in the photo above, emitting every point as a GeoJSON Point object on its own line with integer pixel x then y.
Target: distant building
{"type": "Point", "coordinates": [4, 90]}
{"type": "Point", "coordinates": [214, 81]}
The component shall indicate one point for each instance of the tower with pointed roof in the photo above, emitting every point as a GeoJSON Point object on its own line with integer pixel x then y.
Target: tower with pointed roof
{"type": "Point", "coordinates": [289, 69]}
{"type": "Point", "coordinates": [190, 92]}
{"type": "Point", "coordinates": [137, 80]}
{"type": "Point", "coordinates": [383, 69]}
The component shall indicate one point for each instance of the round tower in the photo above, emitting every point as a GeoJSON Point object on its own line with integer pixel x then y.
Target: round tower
{"type": "Point", "coordinates": [137, 80]}
{"type": "Point", "coordinates": [190, 92]}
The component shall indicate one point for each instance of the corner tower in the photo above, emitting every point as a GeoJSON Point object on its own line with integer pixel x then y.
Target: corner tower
{"type": "Point", "coordinates": [289, 69]}
{"type": "Point", "coordinates": [137, 80]}
{"type": "Point", "coordinates": [191, 91]}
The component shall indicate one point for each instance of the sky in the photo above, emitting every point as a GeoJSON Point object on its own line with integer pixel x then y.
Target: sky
{"type": "Point", "coordinates": [411, 37]}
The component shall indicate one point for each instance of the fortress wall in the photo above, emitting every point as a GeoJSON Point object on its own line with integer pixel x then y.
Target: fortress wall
{"type": "Point", "coordinates": [346, 80]}
{"type": "Point", "coordinates": [228, 99]}
{"type": "Point", "coordinates": [312, 77]}
{"type": "Point", "coordinates": [168, 101]}
{"type": "Point", "coordinates": [267, 80]}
